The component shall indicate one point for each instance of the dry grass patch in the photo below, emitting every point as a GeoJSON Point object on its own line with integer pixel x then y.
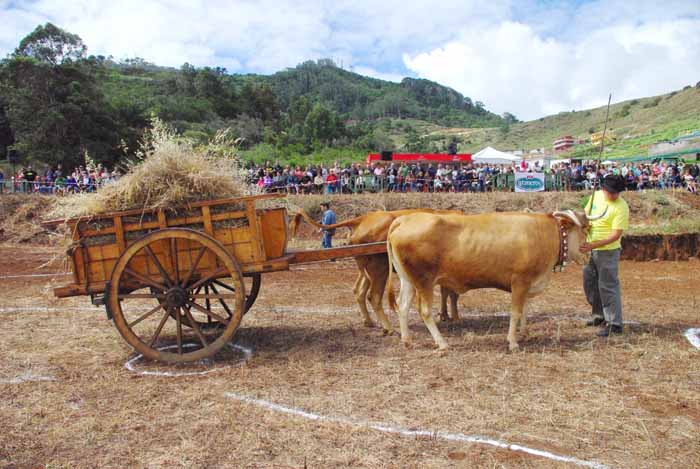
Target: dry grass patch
{"type": "Point", "coordinates": [631, 401]}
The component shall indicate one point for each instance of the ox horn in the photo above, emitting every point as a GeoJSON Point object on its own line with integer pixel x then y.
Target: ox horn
{"type": "Point", "coordinates": [570, 215]}
{"type": "Point", "coordinates": [590, 218]}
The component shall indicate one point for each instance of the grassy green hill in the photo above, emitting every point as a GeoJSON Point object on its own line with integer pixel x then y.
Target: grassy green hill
{"type": "Point", "coordinates": [354, 97]}
{"type": "Point", "coordinates": [636, 124]}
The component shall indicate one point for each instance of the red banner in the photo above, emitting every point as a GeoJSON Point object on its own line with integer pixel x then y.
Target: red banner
{"type": "Point", "coordinates": [422, 158]}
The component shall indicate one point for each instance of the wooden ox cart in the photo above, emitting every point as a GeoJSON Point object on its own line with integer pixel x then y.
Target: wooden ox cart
{"type": "Point", "coordinates": [162, 273]}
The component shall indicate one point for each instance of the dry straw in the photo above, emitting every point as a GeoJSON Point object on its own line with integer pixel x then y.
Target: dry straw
{"type": "Point", "coordinates": [170, 173]}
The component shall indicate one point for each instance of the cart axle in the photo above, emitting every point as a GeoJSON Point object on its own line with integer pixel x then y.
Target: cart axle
{"type": "Point", "coordinates": [176, 297]}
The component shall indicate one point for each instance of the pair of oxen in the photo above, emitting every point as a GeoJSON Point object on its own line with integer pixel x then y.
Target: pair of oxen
{"type": "Point", "coordinates": [512, 251]}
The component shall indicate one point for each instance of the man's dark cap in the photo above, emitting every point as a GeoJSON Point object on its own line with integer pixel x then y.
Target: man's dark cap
{"type": "Point", "coordinates": [614, 184]}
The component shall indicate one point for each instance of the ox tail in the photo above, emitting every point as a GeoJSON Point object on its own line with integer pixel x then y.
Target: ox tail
{"type": "Point", "coordinates": [301, 214]}
{"type": "Point", "coordinates": [391, 295]}
{"type": "Point", "coordinates": [294, 224]}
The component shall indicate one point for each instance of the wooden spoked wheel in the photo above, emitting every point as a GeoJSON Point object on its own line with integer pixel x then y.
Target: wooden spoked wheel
{"type": "Point", "coordinates": [157, 287]}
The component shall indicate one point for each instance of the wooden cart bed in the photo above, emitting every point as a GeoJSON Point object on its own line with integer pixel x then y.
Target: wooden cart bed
{"type": "Point", "coordinates": [256, 238]}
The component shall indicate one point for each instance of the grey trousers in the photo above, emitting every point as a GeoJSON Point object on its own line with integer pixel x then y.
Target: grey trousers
{"type": "Point", "coordinates": [602, 285]}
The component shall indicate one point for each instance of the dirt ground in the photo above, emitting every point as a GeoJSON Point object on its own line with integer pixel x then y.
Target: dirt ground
{"type": "Point", "coordinates": [631, 401]}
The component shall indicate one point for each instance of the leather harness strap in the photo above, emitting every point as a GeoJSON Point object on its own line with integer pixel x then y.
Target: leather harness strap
{"type": "Point", "coordinates": [563, 247]}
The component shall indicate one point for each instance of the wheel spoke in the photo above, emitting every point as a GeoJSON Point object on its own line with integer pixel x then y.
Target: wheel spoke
{"type": "Point", "coordinates": [193, 267]}
{"type": "Point", "coordinates": [159, 266]}
{"type": "Point", "coordinates": [148, 314]}
{"type": "Point", "coordinates": [210, 296]}
{"type": "Point", "coordinates": [218, 273]}
{"type": "Point", "coordinates": [223, 303]}
{"type": "Point", "coordinates": [131, 296]}
{"type": "Point", "coordinates": [194, 305]}
{"type": "Point", "coordinates": [194, 325]}
{"type": "Point", "coordinates": [145, 279]}
{"type": "Point", "coordinates": [178, 313]}
{"type": "Point", "coordinates": [173, 255]}
{"type": "Point", "coordinates": [207, 303]}
{"type": "Point", "coordinates": [223, 285]}
{"type": "Point", "coordinates": [160, 328]}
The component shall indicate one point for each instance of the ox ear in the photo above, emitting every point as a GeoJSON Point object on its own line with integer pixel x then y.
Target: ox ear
{"type": "Point", "coordinates": [568, 216]}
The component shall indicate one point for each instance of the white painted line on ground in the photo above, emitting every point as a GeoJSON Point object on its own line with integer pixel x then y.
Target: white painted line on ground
{"type": "Point", "coordinates": [27, 377]}
{"type": "Point", "coordinates": [47, 309]}
{"type": "Point", "coordinates": [693, 336]}
{"type": "Point", "coordinates": [447, 436]}
{"type": "Point", "coordinates": [33, 275]}
{"type": "Point", "coordinates": [129, 365]}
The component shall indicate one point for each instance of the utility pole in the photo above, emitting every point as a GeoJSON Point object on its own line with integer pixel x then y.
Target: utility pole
{"type": "Point", "coordinates": [605, 128]}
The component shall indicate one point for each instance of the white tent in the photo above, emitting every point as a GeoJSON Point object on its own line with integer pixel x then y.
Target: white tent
{"type": "Point", "coordinates": [492, 156]}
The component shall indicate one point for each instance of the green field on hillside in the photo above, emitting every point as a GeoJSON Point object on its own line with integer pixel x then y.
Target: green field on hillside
{"type": "Point", "coordinates": [635, 124]}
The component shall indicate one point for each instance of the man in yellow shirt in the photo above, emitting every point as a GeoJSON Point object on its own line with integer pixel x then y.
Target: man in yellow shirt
{"type": "Point", "coordinates": [600, 277]}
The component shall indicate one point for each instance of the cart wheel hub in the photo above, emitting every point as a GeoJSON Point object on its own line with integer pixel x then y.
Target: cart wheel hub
{"type": "Point", "coordinates": [176, 297]}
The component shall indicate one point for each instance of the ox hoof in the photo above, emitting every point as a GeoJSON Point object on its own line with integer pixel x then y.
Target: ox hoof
{"type": "Point", "coordinates": [442, 350]}
{"type": "Point", "coordinates": [514, 348]}
{"type": "Point", "coordinates": [407, 344]}
{"type": "Point", "coordinates": [368, 323]}
{"type": "Point", "coordinates": [387, 332]}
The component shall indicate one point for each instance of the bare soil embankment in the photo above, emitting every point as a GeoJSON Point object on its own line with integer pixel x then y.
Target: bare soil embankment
{"type": "Point", "coordinates": [664, 225]}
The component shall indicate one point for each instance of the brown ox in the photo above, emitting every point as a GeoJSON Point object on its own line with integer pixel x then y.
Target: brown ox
{"type": "Point", "coordinates": [373, 270]}
{"type": "Point", "coordinates": [514, 252]}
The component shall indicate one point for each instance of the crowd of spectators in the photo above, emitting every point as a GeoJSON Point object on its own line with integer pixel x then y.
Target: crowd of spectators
{"type": "Point", "coordinates": [53, 180]}
{"type": "Point", "coordinates": [388, 177]}
{"type": "Point", "coordinates": [637, 176]}
{"type": "Point", "coordinates": [477, 177]}
{"type": "Point", "coordinates": [391, 177]}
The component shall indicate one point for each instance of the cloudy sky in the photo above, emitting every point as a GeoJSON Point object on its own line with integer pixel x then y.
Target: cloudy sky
{"type": "Point", "coordinates": [528, 57]}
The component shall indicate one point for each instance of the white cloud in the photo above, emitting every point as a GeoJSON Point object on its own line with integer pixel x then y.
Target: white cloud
{"type": "Point", "coordinates": [512, 68]}
{"type": "Point", "coordinates": [261, 35]}
{"type": "Point", "coordinates": [527, 56]}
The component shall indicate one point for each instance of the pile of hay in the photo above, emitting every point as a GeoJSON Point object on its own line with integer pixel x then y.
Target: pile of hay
{"type": "Point", "coordinates": [170, 173]}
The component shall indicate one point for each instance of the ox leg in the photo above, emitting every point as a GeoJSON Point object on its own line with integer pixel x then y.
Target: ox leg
{"type": "Point", "coordinates": [425, 306]}
{"type": "Point", "coordinates": [454, 313]}
{"type": "Point", "coordinates": [406, 296]}
{"type": "Point", "coordinates": [519, 296]}
{"type": "Point", "coordinates": [376, 293]}
{"type": "Point", "coordinates": [377, 272]}
{"type": "Point", "coordinates": [523, 321]}
{"type": "Point", "coordinates": [361, 288]}
{"type": "Point", "coordinates": [444, 293]}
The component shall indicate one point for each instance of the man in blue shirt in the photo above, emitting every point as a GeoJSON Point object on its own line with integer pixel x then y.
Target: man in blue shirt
{"type": "Point", "coordinates": [328, 219]}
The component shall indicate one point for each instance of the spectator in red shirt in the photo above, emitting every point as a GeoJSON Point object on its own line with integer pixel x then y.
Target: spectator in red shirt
{"type": "Point", "coordinates": [331, 182]}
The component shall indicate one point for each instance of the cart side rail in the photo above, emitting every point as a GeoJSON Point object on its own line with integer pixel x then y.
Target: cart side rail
{"type": "Point", "coordinates": [136, 212]}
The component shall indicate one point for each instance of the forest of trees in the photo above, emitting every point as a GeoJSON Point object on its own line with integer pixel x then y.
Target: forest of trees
{"type": "Point", "coordinates": [56, 102]}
